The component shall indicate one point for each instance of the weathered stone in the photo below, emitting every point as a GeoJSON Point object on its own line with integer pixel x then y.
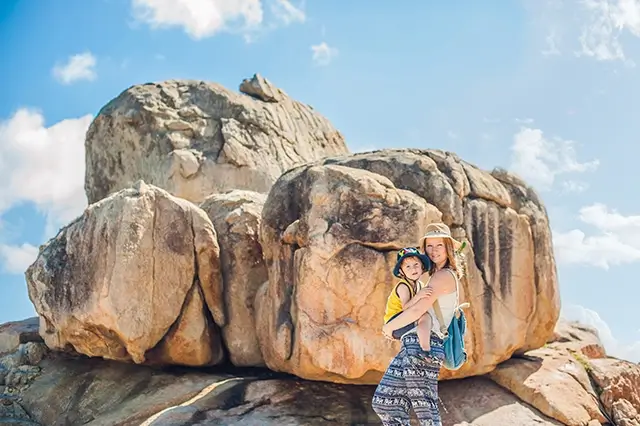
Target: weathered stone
{"type": "Point", "coordinates": [579, 338]}
{"type": "Point", "coordinates": [237, 216]}
{"type": "Point", "coordinates": [315, 229]}
{"type": "Point", "coordinates": [12, 334]}
{"type": "Point", "coordinates": [12, 413]}
{"type": "Point", "coordinates": [526, 201]}
{"type": "Point", "coordinates": [618, 385]}
{"type": "Point", "coordinates": [195, 138]}
{"type": "Point", "coordinates": [555, 382]}
{"type": "Point", "coordinates": [261, 88]}
{"type": "Point", "coordinates": [22, 376]}
{"type": "Point", "coordinates": [124, 394]}
{"type": "Point", "coordinates": [321, 311]}
{"type": "Point", "coordinates": [479, 401]}
{"type": "Point", "coordinates": [135, 278]}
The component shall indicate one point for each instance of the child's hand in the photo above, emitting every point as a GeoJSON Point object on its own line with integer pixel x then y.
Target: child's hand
{"type": "Point", "coordinates": [425, 292]}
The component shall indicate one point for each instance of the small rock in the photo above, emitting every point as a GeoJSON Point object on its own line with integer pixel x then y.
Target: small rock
{"type": "Point", "coordinates": [22, 376]}
{"type": "Point", "coordinates": [11, 412]}
{"type": "Point", "coordinates": [14, 359]}
{"type": "Point", "coordinates": [12, 334]}
{"type": "Point", "coordinates": [261, 88]}
{"type": "Point", "coordinates": [35, 352]}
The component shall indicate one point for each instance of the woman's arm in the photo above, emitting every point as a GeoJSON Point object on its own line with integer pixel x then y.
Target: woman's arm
{"type": "Point", "coordinates": [440, 283]}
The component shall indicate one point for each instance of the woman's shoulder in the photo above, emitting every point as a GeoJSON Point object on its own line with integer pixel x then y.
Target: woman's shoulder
{"type": "Point", "coordinates": [445, 279]}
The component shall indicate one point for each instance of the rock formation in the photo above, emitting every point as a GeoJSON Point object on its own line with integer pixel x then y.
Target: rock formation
{"type": "Point", "coordinates": [135, 278]}
{"type": "Point", "coordinates": [236, 217]}
{"type": "Point", "coordinates": [571, 380]}
{"type": "Point", "coordinates": [68, 389]}
{"type": "Point", "coordinates": [195, 138]}
{"type": "Point", "coordinates": [295, 280]}
{"type": "Point", "coordinates": [328, 235]}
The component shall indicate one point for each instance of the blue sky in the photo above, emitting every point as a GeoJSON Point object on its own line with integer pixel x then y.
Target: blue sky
{"type": "Point", "coordinates": [548, 89]}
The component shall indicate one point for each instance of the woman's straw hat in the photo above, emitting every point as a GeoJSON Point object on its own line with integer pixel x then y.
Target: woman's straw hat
{"type": "Point", "coordinates": [440, 230]}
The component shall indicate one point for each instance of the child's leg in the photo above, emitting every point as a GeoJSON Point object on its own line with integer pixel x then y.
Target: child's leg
{"type": "Point", "coordinates": [424, 331]}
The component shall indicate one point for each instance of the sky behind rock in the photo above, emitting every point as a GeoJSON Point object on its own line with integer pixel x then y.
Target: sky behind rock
{"type": "Point", "coordinates": [547, 89]}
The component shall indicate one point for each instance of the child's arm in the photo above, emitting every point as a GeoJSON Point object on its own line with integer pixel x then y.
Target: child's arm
{"type": "Point", "coordinates": [403, 294]}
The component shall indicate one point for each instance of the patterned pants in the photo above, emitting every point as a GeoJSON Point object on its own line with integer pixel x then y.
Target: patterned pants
{"type": "Point", "coordinates": [411, 381]}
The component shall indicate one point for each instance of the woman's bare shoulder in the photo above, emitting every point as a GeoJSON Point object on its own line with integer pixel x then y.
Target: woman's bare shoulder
{"type": "Point", "coordinates": [443, 282]}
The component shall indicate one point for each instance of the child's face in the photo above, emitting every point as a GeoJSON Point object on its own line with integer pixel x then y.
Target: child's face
{"type": "Point", "coordinates": [411, 267]}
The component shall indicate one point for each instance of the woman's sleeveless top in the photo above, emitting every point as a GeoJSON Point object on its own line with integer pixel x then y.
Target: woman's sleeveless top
{"type": "Point", "coordinates": [448, 304]}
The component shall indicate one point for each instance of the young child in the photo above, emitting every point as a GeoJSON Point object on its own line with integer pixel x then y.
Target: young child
{"type": "Point", "coordinates": [410, 265]}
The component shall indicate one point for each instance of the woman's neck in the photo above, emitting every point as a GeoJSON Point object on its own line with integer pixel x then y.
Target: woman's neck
{"type": "Point", "coordinates": [441, 266]}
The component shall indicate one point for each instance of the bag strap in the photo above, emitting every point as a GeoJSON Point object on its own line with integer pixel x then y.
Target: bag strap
{"type": "Point", "coordinates": [436, 308]}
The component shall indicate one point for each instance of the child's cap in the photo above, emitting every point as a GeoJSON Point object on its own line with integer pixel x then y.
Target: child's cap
{"type": "Point", "coordinates": [410, 252]}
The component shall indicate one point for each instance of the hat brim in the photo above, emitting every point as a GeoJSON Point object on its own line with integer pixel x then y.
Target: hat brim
{"type": "Point", "coordinates": [426, 262]}
{"type": "Point", "coordinates": [456, 244]}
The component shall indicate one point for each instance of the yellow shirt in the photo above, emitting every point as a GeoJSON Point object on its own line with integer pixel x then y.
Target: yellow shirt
{"type": "Point", "coordinates": [394, 304]}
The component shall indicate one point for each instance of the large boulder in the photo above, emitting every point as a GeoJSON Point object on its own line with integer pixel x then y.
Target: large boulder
{"type": "Point", "coordinates": [328, 235]}
{"type": "Point", "coordinates": [195, 138]}
{"type": "Point", "coordinates": [135, 278]}
{"type": "Point", "coordinates": [236, 216]}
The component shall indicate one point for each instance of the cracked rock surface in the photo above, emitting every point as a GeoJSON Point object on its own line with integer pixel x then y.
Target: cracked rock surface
{"type": "Point", "coordinates": [195, 138]}
{"type": "Point", "coordinates": [236, 216]}
{"type": "Point", "coordinates": [135, 278]}
{"type": "Point", "coordinates": [331, 251]}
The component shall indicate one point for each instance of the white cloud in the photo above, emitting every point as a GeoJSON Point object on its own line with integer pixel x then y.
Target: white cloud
{"type": "Point", "coordinates": [591, 28]}
{"type": "Point", "coordinates": [199, 18]}
{"type": "Point", "coordinates": [323, 54]}
{"type": "Point", "coordinates": [78, 67]}
{"type": "Point", "coordinates": [599, 37]}
{"type": "Point", "coordinates": [286, 12]}
{"type": "Point", "coordinates": [574, 186]}
{"type": "Point", "coordinates": [206, 18]}
{"type": "Point", "coordinates": [551, 44]}
{"type": "Point", "coordinates": [630, 352]}
{"type": "Point", "coordinates": [539, 160]}
{"type": "Point", "coordinates": [43, 165]}
{"type": "Point", "coordinates": [16, 259]}
{"type": "Point", "coordinates": [524, 120]}
{"type": "Point", "coordinates": [616, 240]}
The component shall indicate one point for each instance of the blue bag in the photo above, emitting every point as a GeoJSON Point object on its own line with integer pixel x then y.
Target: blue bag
{"type": "Point", "coordinates": [455, 354]}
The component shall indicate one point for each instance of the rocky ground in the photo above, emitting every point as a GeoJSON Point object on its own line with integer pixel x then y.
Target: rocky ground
{"type": "Point", "coordinates": [549, 386]}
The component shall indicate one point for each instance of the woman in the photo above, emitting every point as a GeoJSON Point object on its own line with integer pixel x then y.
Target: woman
{"type": "Point", "coordinates": [412, 377]}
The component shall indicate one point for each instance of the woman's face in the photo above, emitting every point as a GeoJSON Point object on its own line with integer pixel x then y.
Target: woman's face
{"type": "Point", "coordinates": [411, 267]}
{"type": "Point", "coordinates": [436, 250]}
